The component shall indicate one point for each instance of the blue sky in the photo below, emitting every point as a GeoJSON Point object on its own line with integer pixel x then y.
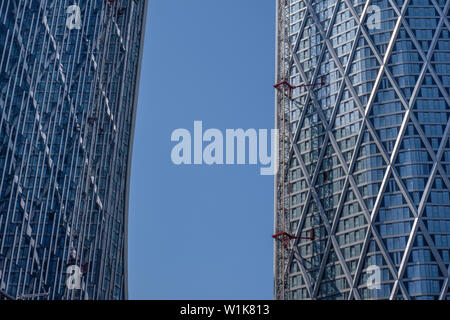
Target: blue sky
{"type": "Point", "coordinates": [202, 232]}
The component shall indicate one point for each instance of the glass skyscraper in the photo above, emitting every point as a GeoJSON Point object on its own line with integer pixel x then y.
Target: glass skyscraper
{"type": "Point", "coordinates": [69, 77]}
{"type": "Point", "coordinates": [363, 108]}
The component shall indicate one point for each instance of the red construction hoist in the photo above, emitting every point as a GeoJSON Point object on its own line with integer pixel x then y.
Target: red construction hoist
{"type": "Point", "coordinates": [282, 87]}
{"type": "Point", "coordinates": [284, 187]}
{"type": "Point", "coordinates": [290, 87]}
{"type": "Point", "coordinates": [285, 237]}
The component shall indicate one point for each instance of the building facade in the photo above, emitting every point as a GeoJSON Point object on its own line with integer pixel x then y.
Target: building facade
{"type": "Point", "coordinates": [69, 77]}
{"type": "Point", "coordinates": [363, 108]}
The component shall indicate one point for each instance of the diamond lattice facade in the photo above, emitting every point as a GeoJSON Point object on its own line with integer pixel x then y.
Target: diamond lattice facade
{"type": "Point", "coordinates": [365, 153]}
{"type": "Point", "coordinates": [69, 75]}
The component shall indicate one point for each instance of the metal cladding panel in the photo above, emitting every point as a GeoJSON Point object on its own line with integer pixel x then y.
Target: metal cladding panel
{"type": "Point", "coordinates": [69, 72]}
{"type": "Point", "coordinates": [365, 156]}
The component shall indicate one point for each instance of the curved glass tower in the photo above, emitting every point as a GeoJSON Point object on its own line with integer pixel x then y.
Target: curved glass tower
{"type": "Point", "coordinates": [365, 153]}
{"type": "Point", "coordinates": [69, 77]}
